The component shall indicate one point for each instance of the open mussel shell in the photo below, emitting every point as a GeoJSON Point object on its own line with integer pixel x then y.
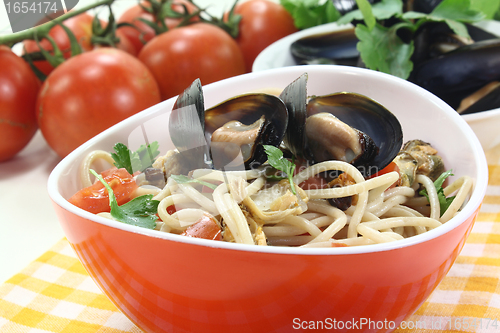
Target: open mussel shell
{"type": "Point", "coordinates": [368, 117]}
{"type": "Point", "coordinates": [295, 98]}
{"type": "Point", "coordinates": [187, 127]}
{"type": "Point", "coordinates": [249, 122]}
{"type": "Point", "coordinates": [338, 47]}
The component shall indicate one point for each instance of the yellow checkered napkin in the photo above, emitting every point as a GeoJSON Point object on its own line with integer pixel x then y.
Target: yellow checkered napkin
{"type": "Point", "coordinates": [55, 294]}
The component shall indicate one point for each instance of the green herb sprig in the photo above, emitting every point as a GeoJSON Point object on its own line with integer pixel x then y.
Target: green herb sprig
{"type": "Point", "coordinates": [382, 49]}
{"type": "Point", "coordinates": [276, 160]}
{"type": "Point", "coordinates": [380, 46]}
{"type": "Point", "coordinates": [140, 211]}
{"type": "Point", "coordinates": [444, 202]}
{"type": "Point", "coordinates": [309, 13]}
{"type": "Point", "coordinates": [138, 160]}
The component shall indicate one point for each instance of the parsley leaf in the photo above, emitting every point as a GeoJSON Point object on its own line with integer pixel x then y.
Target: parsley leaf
{"type": "Point", "coordinates": [276, 160]}
{"type": "Point", "coordinates": [381, 49]}
{"type": "Point", "coordinates": [181, 179]}
{"type": "Point", "coordinates": [140, 211]}
{"type": "Point", "coordinates": [310, 13]}
{"type": "Point", "coordinates": [444, 202]}
{"type": "Point", "coordinates": [135, 161]}
{"type": "Point", "coordinates": [380, 10]}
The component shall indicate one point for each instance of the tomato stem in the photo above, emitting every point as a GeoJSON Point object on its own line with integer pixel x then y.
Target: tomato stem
{"type": "Point", "coordinates": [43, 30]}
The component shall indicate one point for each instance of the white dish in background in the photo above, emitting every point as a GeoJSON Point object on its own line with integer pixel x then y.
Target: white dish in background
{"type": "Point", "coordinates": [485, 124]}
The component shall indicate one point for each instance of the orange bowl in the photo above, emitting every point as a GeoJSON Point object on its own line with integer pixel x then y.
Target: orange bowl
{"type": "Point", "coordinates": [170, 283]}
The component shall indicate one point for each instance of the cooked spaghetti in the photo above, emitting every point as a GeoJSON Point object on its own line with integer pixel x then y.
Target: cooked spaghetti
{"type": "Point", "coordinates": [249, 208]}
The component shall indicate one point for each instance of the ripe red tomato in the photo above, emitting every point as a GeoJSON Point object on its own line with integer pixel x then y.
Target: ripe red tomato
{"type": "Point", "coordinates": [95, 198]}
{"type": "Point", "coordinates": [91, 92]}
{"type": "Point", "coordinates": [263, 22]}
{"type": "Point", "coordinates": [132, 15]}
{"type": "Point", "coordinates": [80, 25]}
{"type": "Point", "coordinates": [201, 50]}
{"type": "Point", "coordinates": [18, 90]}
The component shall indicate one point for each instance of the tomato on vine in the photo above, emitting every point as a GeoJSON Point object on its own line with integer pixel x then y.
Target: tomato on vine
{"type": "Point", "coordinates": [200, 50]}
{"type": "Point", "coordinates": [80, 26]}
{"type": "Point", "coordinates": [89, 93]}
{"type": "Point", "coordinates": [18, 91]}
{"type": "Point", "coordinates": [262, 23]}
{"type": "Point", "coordinates": [143, 33]}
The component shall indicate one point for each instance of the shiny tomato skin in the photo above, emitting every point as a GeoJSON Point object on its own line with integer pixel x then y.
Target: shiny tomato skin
{"type": "Point", "coordinates": [201, 50]}
{"type": "Point", "coordinates": [262, 23]}
{"type": "Point", "coordinates": [95, 198]}
{"type": "Point", "coordinates": [80, 25]}
{"type": "Point", "coordinates": [132, 15]}
{"type": "Point", "coordinates": [18, 90]}
{"type": "Point", "coordinates": [91, 92]}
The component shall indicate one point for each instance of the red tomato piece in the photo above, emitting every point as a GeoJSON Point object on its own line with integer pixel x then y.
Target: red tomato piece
{"type": "Point", "coordinates": [207, 228]}
{"type": "Point", "coordinates": [389, 168]}
{"type": "Point", "coordinates": [95, 198]}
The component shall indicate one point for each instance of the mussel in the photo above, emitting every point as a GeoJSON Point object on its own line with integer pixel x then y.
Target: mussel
{"type": "Point", "coordinates": [458, 73]}
{"type": "Point", "coordinates": [447, 65]}
{"type": "Point", "coordinates": [229, 135]}
{"type": "Point", "coordinates": [334, 48]}
{"type": "Point", "coordinates": [187, 128]}
{"type": "Point", "coordinates": [341, 126]}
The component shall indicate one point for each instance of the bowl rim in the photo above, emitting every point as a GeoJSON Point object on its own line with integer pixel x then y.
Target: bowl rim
{"type": "Point", "coordinates": [475, 200]}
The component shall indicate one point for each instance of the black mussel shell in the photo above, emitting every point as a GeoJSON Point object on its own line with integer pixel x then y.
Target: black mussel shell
{"type": "Point", "coordinates": [187, 127]}
{"type": "Point", "coordinates": [248, 109]}
{"type": "Point", "coordinates": [460, 72]}
{"type": "Point", "coordinates": [369, 117]}
{"type": "Point", "coordinates": [338, 47]}
{"type": "Point", "coordinates": [295, 98]}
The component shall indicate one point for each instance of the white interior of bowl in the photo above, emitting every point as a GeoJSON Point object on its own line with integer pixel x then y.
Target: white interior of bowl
{"type": "Point", "coordinates": [422, 115]}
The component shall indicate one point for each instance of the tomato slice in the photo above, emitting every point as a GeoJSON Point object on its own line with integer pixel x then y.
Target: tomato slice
{"type": "Point", "coordinates": [207, 228]}
{"type": "Point", "coordinates": [389, 168]}
{"type": "Point", "coordinates": [95, 198]}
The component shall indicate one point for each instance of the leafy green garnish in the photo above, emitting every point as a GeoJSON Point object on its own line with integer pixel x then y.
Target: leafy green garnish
{"type": "Point", "coordinates": [379, 11]}
{"type": "Point", "coordinates": [444, 202]}
{"type": "Point", "coordinates": [181, 179]}
{"type": "Point", "coordinates": [382, 49]}
{"type": "Point", "coordinates": [309, 13]}
{"type": "Point", "coordinates": [380, 46]}
{"type": "Point", "coordinates": [140, 211]}
{"type": "Point", "coordinates": [138, 160]}
{"type": "Point", "coordinates": [276, 160]}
